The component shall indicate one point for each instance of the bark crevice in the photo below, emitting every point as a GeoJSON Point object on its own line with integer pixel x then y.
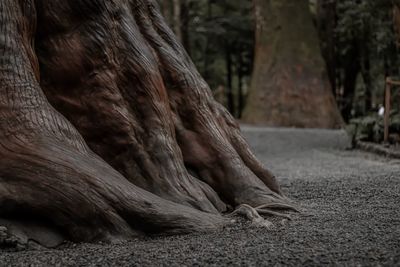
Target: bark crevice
{"type": "Point", "coordinates": [135, 143]}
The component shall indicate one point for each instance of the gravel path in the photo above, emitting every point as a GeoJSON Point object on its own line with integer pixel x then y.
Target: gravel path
{"type": "Point", "coordinates": [351, 202]}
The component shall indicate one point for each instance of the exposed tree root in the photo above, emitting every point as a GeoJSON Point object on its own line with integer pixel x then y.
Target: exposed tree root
{"type": "Point", "coordinates": [223, 159]}
{"type": "Point", "coordinates": [278, 206]}
{"type": "Point", "coordinates": [254, 214]}
{"type": "Point", "coordinates": [273, 213]}
{"type": "Point", "coordinates": [15, 235]}
{"type": "Point", "coordinates": [97, 204]}
{"type": "Point", "coordinates": [251, 214]}
{"type": "Point", "coordinates": [143, 147]}
{"type": "Point", "coordinates": [7, 240]}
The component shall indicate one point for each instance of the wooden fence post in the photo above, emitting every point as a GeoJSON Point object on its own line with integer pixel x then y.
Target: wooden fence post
{"type": "Point", "coordinates": [387, 110]}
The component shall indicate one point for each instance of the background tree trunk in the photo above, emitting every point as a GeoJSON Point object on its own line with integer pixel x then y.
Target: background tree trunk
{"type": "Point", "coordinates": [177, 19]}
{"type": "Point", "coordinates": [289, 85]}
{"type": "Point", "coordinates": [326, 22]}
{"type": "Point", "coordinates": [185, 21]}
{"type": "Point", "coordinates": [229, 79]}
{"type": "Point", "coordinates": [351, 69]}
{"type": "Point", "coordinates": [166, 9]}
{"type": "Point", "coordinates": [239, 69]}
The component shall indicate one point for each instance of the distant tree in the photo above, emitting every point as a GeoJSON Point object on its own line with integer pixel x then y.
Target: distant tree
{"type": "Point", "coordinates": [366, 52]}
{"type": "Point", "coordinates": [326, 20]}
{"type": "Point", "coordinates": [219, 37]}
{"type": "Point", "coordinates": [289, 84]}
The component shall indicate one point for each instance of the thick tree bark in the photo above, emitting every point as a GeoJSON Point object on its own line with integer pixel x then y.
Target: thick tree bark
{"type": "Point", "coordinates": [108, 131]}
{"type": "Point", "coordinates": [289, 85]}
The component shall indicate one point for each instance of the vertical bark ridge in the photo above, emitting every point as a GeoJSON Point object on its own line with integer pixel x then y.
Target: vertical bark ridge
{"type": "Point", "coordinates": [24, 110]}
{"type": "Point", "coordinates": [232, 178]}
{"type": "Point", "coordinates": [129, 91]}
{"type": "Point", "coordinates": [120, 106]}
{"type": "Point", "coordinates": [47, 171]}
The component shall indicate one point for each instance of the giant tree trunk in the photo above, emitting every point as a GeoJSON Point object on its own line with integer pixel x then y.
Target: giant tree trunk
{"type": "Point", "coordinates": [289, 85]}
{"type": "Point", "coordinates": [108, 131]}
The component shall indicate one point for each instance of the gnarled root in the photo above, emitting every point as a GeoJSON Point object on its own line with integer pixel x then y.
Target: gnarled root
{"type": "Point", "coordinates": [87, 200]}
{"type": "Point", "coordinates": [26, 234]}
{"type": "Point", "coordinates": [156, 121]}
{"type": "Point", "coordinates": [168, 158]}
{"type": "Point", "coordinates": [279, 206]}
{"type": "Point", "coordinates": [209, 138]}
{"type": "Point", "coordinates": [254, 214]}
{"type": "Point", "coordinates": [251, 214]}
{"type": "Point", "coordinates": [10, 241]}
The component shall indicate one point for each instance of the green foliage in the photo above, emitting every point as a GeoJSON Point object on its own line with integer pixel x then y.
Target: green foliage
{"type": "Point", "coordinates": [368, 21]}
{"type": "Point", "coordinates": [371, 128]}
{"type": "Point", "coordinates": [365, 34]}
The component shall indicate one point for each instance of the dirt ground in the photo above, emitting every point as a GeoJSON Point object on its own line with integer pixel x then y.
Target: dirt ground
{"type": "Point", "coordinates": [350, 215]}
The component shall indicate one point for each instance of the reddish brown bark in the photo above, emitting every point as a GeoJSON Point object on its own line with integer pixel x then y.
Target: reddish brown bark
{"type": "Point", "coordinates": [135, 142]}
{"type": "Point", "coordinates": [289, 84]}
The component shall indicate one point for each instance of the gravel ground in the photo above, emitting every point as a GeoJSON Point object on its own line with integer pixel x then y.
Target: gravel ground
{"type": "Point", "coordinates": [351, 215]}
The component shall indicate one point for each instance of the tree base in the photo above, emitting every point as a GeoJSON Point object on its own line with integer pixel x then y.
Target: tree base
{"type": "Point", "coordinates": [135, 143]}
